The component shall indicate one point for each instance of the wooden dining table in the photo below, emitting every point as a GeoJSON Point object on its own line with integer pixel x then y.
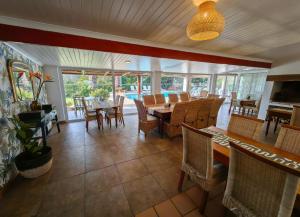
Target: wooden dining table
{"type": "Point", "coordinates": [222, 152]}
{"type": "Point", "coordinates": [105, 105]}
{"type": "Point", "coordinates": [162, 113]}
{"type": "Point", "coordinates": [246, 102]}
{"type": "Point", "coordinates": [277, 114]}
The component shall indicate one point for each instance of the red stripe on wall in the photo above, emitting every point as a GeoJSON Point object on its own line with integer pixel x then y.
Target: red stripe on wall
{"type": "Point", "coordinates": [41, 37]}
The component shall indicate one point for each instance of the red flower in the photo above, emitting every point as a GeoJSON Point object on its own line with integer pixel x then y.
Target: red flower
{"type": "Point", "coordinates": [20, 74]}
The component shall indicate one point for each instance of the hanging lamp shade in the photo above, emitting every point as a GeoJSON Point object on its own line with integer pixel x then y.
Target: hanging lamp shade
{"type": "Point", "coordinates": [207, 24]}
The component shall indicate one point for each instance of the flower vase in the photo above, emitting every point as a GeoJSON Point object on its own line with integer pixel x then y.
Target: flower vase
{"type": "Point", "coordinates": [35, 105]}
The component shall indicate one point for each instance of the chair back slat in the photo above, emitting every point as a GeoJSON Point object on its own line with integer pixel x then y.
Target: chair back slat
{"type": "Point", "coordinates": [173, 98]}
{"type": "Point", "coordinates": [121, 103]}
{"type": "Point", "coordinates": [184, 97]}
{"type": "Point", "coordinates": [203, 93]}
{"type": "Point", "coordinates": [203, 113]}
{"type": "Point", "coordinates": [289, 139]}
{"type": "Point", "coordinates": [117, 99]}
{"type": "Point", "coordinates": [245, 126]}
{"type": "Point", "coordinates": [295, 119]}
{"type": "Point", "coordinates": [159, 99]}
{"type": "Point", "coordinates": [178, 114]}
{"type": "Point", "coordinates": [149, 100]}
{"type": "Point", "coordinates": [142, 112]}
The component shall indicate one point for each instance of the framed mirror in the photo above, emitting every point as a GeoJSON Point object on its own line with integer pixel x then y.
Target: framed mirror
{"type": "Point", "coordinates": [21, 83]}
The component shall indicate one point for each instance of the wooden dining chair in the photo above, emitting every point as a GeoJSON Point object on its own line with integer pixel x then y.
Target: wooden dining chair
{"type": "Point", "coordinates": [149, 100]}
{"type": "Point", "coordinates": [245, 126]}
{"type": "Point", "coordinates": [234, 103]}
{"type": "Point", "coordinates": [173, 98]}
{"type": "Point", "coordinates": [146, 122]}
{"type": "Point", "coordinates": [78, 106]}
{"type": "Point", "coordinates": [198, 162]}
{"type": "Point", "coordinates": [198, 113]}
{"type": "Point", "coordinates": [258, 186]}
{"type": "Point", "coordinates": [289, 139]}
{"type": "Point", "coordinates": [214, 111]}
{"type": "Point", "coordinates": [111, 113]}
{"type": "Point", "coordinates": [203, 93]}
{"type": "Point", "coordinates": [255, 108]}
{"type": "Point", "coordinates": [91, 115]}
{"type": "Point", "coordinates": [173, 126]}
{"type": "Point", "coordinates": [295, 119]}
{"type": "Point", "coordinates": [184, 96]}
{"type": "Point", "coordinates": [159, 99]}
{"type": "Point", "coordinates": [117, 99]}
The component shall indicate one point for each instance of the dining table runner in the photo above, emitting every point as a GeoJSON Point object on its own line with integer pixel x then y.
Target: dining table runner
{"type": "Point", "coordinates": [223, 140]}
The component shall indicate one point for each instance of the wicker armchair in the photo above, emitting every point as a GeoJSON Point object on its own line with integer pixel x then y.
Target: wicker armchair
{"type": "Point", "coordinates": [146, 122]}
{"type": "Point", "coordinates": [173, 128]}
{"type": "Point", "coordinates": [159, 99]}
{"type": "Point", "coordinates": [289, 139]}
{"type": "Point", "coordinates": [198, 162]}
{"type": "Point", "coordinates": [184, 96]}
{"type": "Point", "coordinates": [173, 98]}
{"type": "Point", "coordinates": [215, 107]}
{"type": "Point", "coordinates": [203, 93]}
{"type": "Point", "coordinates": [256, 186]}
{"type": "Point", "coordinates": [245, 126]}
{"type": "Point", "coordinates": [149, 100]}
{"type": "Point", "coordinates": [111, 113]}
{"type": "Point", "coordinates": [295, 119]}
{"type": "Point", "coordinates": [198, 113]}
{"type": "Point", "coordinates": [91, 115]}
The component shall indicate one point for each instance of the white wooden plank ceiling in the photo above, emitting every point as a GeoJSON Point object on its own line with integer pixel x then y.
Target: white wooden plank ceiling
{"type": "Point", "coordinates": [78, 58]}
{"type": "Point", "coordinates": [257, 28]}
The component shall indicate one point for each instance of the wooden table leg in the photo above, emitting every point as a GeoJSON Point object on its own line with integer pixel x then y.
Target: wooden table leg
{"type": "Point", "coordinates": [98, 118]}
{"type": "Point", "coordinates": [116, 116]}
{"type": "Point", "coordinates": [277, 121]}
{"type": "Point", "coordinates": [161, 126]}
{"type": "Point", "coordinates": [268, 125]}
{"type": "Point", "coordinates": [230, 107]}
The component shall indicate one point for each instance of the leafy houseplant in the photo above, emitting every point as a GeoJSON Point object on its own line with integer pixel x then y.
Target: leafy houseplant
{"type": "Point", "coordinates": [35, 160]}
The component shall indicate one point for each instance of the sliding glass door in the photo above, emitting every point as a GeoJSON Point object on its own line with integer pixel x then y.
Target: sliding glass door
{"type": "Point", "coordinates": [87, 86]}
{"type": "Point", "coordinates": [225, 84]}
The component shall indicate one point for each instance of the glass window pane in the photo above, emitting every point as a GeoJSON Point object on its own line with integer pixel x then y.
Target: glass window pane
{"type": "Point", "coordinates": [172, 84]}
{"type": "Point", "coordinates": [198, 84]}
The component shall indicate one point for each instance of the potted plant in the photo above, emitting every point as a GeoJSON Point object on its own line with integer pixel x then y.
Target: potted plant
{"type": "Point", "coordinates": [35, 105]}
{"type": "Point", "coordinates": [35, 159]}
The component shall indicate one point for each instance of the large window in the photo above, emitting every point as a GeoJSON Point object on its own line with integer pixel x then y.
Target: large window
{"type": "Point", "coordinates": [252, 84]}
{"type": "Point", "coordinates": [91, 87]}
{"type": "Point", "coordinates": [172, 84]}
{"type": "Point", "coordinates": [199, 83]}
{"type": "Point", "coordinates": [132, 86]}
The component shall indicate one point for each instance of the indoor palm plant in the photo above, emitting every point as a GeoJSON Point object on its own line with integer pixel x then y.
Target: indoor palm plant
{"type": "Point", "coordinates": [35, 159]}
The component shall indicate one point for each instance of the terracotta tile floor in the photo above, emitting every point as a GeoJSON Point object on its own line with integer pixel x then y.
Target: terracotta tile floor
{"type": "Point", "coordinates": [111, 173]}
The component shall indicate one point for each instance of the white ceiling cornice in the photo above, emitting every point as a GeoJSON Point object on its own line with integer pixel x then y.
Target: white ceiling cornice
{"type": "Point", "coordinates": [79, 32]}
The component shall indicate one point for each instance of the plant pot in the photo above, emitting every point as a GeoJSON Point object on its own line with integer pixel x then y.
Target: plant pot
{"type": "Point", "coordinates": [30, 167]}
{"type": "Point", "coordinates": [35, 105]}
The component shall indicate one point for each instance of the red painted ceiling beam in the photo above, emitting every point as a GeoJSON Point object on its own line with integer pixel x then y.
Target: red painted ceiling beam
{"type": "Point", "coordinates": [41, 37]}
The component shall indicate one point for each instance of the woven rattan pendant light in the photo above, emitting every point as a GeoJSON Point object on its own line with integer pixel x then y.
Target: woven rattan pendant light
{"type": "Point", "coordinates": [207, 24]}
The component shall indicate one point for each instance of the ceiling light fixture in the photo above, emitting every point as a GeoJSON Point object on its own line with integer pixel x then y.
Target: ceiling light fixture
{"type": "Point", "coordinates": [207, 24]}
{"type": "Point", "coordinates": [127, 61]}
